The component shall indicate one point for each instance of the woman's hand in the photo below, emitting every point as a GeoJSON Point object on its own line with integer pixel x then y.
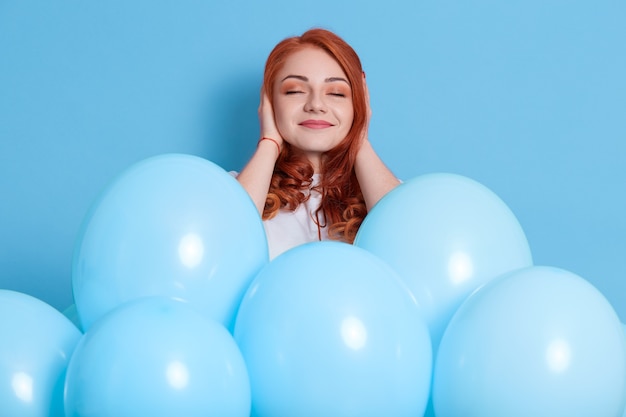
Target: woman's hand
{"type": "Point", "coordinates": [257, 174]}
{"type": "Point", "coordinates": [374, 177]}
{"type": "Point", "coordinates": [364, 135]}
{"type": "Point", "coordinates": [267, 121]}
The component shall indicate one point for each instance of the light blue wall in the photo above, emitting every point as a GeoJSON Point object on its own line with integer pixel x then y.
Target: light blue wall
{"type": "Point", "coordinates": [527, 97]}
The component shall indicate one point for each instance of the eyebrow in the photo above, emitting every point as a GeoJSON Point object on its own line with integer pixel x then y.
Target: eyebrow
{"type": "Point", "coordinates": [306, 79]}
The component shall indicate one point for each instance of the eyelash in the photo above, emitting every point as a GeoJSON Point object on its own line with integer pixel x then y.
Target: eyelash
{"type": "Point", "coordinates": [290, 92]}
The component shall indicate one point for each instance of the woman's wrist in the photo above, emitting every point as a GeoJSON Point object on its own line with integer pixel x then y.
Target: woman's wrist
{"type": "Point", "coordinates": [267, 139]}
{"type": "Point", "coordinates": [364, 147]}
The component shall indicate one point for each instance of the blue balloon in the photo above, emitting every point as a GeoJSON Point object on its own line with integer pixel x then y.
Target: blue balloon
{"type": "Point", "coordinates": [537, 342]}
{"type": "Point", "coordinates": [36, 342]}
{"type": "Point", "coordinates": [445, 235]}
{"type": "Point", "coordinates": [327, 329]}
{"type": "Point", "coordinates": [157, 357]}
{"type": "Point", "coordinates": [71, 313]}
{"type": "Point", "coordinates": [624, 413]}
{"type": "Point", "coordinates": [172, 225]}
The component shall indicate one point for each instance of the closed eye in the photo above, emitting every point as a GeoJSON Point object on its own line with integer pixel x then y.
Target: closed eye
{"type": "Point", "coordinates": [293, 92]}
{"type": "Point", "coordinates": [337, 94]}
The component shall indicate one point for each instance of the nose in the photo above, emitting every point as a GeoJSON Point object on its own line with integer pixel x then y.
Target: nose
{"type": "Point", "coordinates": [315, 103]}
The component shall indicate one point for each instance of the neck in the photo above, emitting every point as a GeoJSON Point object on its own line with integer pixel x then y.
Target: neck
{"type": "Point", "coordinates": [315, 159]}
{"type": "Point", "coordinates": [316, 164]}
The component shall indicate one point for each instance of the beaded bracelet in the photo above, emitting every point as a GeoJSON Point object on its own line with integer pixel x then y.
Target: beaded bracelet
{"type": "Point", "coordinates": [273, 140]}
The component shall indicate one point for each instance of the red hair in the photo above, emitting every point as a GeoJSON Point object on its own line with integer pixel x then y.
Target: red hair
{"type": "Point", "coordinates": [343, 207]}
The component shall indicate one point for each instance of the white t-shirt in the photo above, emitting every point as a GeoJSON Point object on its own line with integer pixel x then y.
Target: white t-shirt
{"type": "Point", "coordinates": [292, 228]}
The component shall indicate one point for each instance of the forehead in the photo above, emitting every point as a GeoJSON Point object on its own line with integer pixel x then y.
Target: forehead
{"type": "Point", "coordinates": [311, 61]}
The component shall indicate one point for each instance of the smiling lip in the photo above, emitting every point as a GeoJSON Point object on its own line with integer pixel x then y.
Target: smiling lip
{"type": "Point", "coordinates": [316, 124]}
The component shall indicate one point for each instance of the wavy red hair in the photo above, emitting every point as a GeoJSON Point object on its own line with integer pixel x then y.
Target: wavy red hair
{"type": "Point", "coordinates": [342, 208]}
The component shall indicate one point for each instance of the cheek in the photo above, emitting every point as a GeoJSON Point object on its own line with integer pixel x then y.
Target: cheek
{"type": "Point", "coordinates": [348, 118]}
{"type": "Point", "coordinates": [282, 119]}
{"type": "Point", "coordinates": [279, 117]}
{"type": "Point", "coordinates": [279, 110]}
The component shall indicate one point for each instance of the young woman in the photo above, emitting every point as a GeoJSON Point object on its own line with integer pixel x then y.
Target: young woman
{"type": "Point", "coordinates": [314, 174]}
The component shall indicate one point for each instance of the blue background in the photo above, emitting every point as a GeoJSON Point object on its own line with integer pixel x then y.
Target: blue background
{"type": "Point", "coordinates": [526, 97]}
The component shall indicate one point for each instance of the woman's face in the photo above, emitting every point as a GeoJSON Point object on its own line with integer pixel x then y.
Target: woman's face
{"type": "Point", "coordinates": [312, 102]}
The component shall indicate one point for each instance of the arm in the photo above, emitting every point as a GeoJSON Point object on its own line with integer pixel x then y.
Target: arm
{"type": "Point", "coordinates": [257, 174]}
{"type": "Point", "coordinates": [375, 179]}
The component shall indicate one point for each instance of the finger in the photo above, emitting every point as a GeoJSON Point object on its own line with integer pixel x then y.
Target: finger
{"type": "Point", "coordinates": [367, 97]}
{"type": "Point", "coordinates": [261, 98]}
{"type": "Point", "coordinates": [366, 90]}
